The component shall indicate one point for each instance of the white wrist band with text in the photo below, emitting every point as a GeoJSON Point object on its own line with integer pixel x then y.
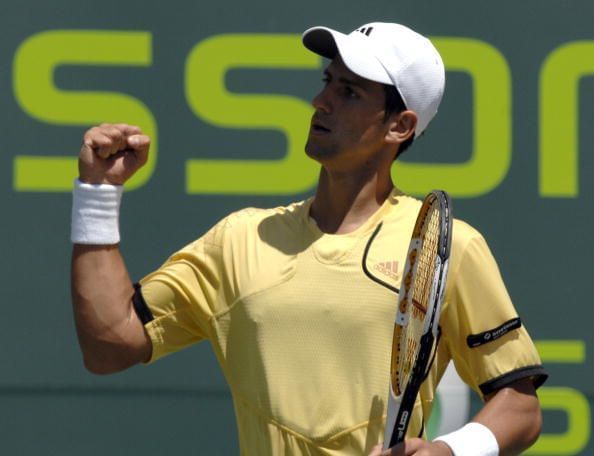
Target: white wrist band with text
{"type": "Point", "coordinates": [95, 213]}
{"type": "Point", "coordinates": [474, 439]}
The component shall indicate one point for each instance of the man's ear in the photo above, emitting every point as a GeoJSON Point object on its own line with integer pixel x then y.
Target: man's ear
{"type": "Point", "coordinates": [401, 126]}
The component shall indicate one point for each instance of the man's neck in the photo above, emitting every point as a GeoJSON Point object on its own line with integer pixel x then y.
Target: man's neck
{"type": "Point", "coordinates": [344, 202]}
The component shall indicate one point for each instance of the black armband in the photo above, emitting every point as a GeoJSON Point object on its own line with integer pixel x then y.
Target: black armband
{"type": "Point", "coordinates": [142, 310]}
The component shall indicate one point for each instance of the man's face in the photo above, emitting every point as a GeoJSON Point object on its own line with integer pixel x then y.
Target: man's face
{"type": "Point", "coordinates": [347, 129]}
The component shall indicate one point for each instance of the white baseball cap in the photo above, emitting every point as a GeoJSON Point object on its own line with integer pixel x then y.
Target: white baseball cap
{"type": "Point", "coordinates": [390, 54]}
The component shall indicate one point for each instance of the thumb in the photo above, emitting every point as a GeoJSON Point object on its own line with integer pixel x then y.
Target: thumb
{"type": "Point", "coordinates": [140, 145]}
{"type": "Point", "coordinates": [138, 141]}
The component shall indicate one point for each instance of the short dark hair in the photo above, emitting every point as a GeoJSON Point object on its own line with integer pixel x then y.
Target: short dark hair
{"type": "Point", "coordinates": [394, 105]}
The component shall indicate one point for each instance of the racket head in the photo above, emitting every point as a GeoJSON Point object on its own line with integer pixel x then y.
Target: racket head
{"type": "Point", "coordinates": [419, 306]}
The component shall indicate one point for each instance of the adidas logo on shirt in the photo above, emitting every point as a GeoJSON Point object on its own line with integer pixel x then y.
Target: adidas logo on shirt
{"type": "Point", "coordinates": [388, 268]}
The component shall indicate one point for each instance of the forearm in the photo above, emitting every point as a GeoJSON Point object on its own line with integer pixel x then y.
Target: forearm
{"type": "Point", "coordinates": [513, 415]}
{"type": "Point", "coordinates": [110, 334]}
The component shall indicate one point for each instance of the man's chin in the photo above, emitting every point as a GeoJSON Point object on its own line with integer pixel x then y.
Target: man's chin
{"type": "Point", "coordinates": [315, 151]}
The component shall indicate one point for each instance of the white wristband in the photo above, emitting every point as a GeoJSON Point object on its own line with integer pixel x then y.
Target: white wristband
{"type": "Point", "coordinates": [95, 213]}
{"type": "Point", "coordinates": [474, 439]}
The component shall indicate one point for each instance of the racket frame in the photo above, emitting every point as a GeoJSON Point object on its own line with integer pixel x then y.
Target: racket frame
{"type": "Point", "coordinates": [400, 407]}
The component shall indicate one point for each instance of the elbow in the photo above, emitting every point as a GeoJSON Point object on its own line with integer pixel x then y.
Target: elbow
{"type": "Point", "coordinates": [110, 352]}
{"type": "Point", "coordinates": [535, 428]}
{"type": "Point", "coordinates": [100, 367]}
{"type": "Point", "coordinates": [531, 424]}
{"type": "Point", "coordinates": [514, 415]}
{"type": "Point", "coordinates": [532, 417]}
{"type": "Point", "coordinates": [106, 361]}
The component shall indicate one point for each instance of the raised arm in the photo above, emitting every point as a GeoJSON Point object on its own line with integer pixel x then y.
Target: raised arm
{"type": "Point", "coordinates": [110, 334]}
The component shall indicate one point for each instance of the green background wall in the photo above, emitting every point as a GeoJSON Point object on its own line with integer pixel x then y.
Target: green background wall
{"type": "Point", "coordinates": [512, 142]}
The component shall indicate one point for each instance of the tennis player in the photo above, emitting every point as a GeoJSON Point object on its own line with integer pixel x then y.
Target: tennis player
{"type": "Point", "coordinates": [301, 331]}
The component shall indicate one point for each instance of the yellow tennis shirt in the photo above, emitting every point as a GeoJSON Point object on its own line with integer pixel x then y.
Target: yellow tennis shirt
{"type": "Point", "coordinates": [301, 323]}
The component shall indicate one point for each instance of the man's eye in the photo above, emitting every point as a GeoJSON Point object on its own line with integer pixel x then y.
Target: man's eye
{"type": "Point", "coordinates": [326, 80]}
{"type": "Point", "coordinates": [349, 92]}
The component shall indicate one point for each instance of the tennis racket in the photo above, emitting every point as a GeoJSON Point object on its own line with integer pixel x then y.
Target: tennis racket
{"type": "Point", "coordinates": [419, 305]}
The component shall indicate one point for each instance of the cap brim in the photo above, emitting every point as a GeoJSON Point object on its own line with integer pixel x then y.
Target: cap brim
{"type": "Point", "coordinates": [356, 53]}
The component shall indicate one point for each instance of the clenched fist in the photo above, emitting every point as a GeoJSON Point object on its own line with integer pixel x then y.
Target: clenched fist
{"type": "Point", "coordinates": [112, 153]}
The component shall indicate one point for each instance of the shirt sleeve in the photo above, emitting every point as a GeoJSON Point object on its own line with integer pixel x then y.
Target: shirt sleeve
{"type": "Point", "coordinates": [487, 340]}
{"type": "Point", "coordinates": [185, 292]}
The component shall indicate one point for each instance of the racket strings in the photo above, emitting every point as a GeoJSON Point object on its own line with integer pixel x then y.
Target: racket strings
{"type": "Point", "coordinates": [420, 287]}
{"type": "Point", "coordinates": [426, 262]}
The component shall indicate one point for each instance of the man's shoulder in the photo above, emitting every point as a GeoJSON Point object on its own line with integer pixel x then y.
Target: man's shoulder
{"type": "Point", "coordinates": [464, 236]}
{"type": "Point", "coordinates": [404, 212]}
{"type": "Point", "coordinates": [464, 232]}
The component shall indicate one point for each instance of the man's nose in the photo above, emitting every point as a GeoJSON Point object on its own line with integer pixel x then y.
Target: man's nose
{"type": "Point", "coordinates": [322, 101]}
